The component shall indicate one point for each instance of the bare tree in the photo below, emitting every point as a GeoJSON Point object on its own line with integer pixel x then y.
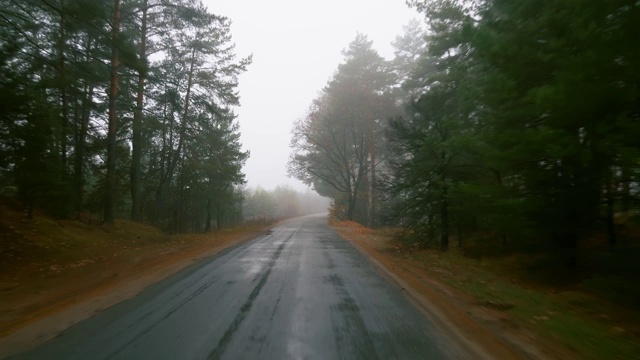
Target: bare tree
{"type": "Point", "coordinates": [334, 146]}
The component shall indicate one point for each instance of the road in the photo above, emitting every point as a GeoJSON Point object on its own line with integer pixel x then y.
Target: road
{"type": "Point", "coordinates": [300, 292]}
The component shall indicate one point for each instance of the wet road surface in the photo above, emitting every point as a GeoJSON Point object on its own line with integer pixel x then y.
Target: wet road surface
{"type": "Point", "coordinates": [300, 292]}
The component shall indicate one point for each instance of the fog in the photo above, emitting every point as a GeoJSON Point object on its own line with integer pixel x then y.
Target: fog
{"type": "Point", "coordinates": [281, 202]}
{"type": "Point", "coordinates": [296, 47]}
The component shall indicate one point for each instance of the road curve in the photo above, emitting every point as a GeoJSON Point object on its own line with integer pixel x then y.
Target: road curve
{"type": "Point", "coordinates": [300, 292]}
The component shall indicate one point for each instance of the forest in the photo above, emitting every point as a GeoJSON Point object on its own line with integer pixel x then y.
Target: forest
{"type": "Point", "coordinates": [497, 152]}
{"type": "Point", "coordinates": [509, 121]}
{"type": "Point", "coordinates": [492, 161]}
{"type": "Point", "coordinates": [516, 121]}
{"type": "Point", "coordinates": [121, 108]}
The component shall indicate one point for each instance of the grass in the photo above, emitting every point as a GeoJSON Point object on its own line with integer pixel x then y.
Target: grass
{"type": "Point", "coordinates": [47, 264]}
{"type": "Point", "coordinates": [43, 240]}
{"type": "Point", "coordinates": [596, 315]}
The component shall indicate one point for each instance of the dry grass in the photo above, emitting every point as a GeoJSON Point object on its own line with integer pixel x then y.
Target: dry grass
{"type": "Point", "coordinates": [498, 292]}
{"type": "Point", "coordinates": [47, 265]}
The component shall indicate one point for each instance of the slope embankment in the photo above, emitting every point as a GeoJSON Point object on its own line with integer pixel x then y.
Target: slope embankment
{"type": "Point", "coordinates": [54, 273]}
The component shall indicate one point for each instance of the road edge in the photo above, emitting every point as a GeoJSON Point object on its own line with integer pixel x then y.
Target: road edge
{"type": "Point", "coordinates": [474, 348]}
{"type": "Point", "coordinates": [46, 328]}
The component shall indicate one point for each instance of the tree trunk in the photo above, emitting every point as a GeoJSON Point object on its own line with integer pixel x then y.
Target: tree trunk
{"type": "Point", "coordinates": [219, 217]}
{"type": "Point", "coordinates": [136, 137]}
{"type": "Point", "coordinates": [625, 189]}
{"type": "Point", "coordinates": [372, 151]}
{"type": "Point", "coordinates": [173, 160]}
{"type": "Point", "coordinates": [80, 143]}
{"type": "Point", "coordinates": [444, 209]}
{"type": "Point", "coordinates": [164, 158]}
{"type": "Point", "coordinates": [351, 205]}
{"type": "Point", "coordinates": [63, 95]}
{"type": "Point", "coordinates": [110, 184]}
{"type": "Point", "coordinates": [207, 224]}
{"type": "Point", "coordinates": [444, 220]}
{"type": "Point", "coordinates": [610, 199]}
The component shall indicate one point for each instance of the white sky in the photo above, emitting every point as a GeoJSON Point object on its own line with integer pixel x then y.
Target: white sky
{"type": "Point", "coordinates": [296, 47]}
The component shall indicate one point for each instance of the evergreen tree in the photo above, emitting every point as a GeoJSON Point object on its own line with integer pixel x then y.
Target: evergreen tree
{"type": "Point", "coordinates": [561, 100]}
{"type": "Point", "coordinates": [80, 95]}
{"type": "Point", "coordinates": [431, 145]}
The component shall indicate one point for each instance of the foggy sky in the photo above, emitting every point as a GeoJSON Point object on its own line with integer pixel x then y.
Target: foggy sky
{"type": "Point", "coordinates": [296, 47]}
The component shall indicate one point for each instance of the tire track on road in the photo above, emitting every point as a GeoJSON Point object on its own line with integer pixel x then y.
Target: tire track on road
{"type": "Point", "coordinates": [246, 307]}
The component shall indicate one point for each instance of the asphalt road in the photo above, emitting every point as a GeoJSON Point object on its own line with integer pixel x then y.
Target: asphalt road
{"type": "Point", "coordinates": [301, 292]}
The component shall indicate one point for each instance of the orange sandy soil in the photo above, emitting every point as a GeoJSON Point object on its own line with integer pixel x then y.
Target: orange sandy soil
{"type": "Point", "coordinates": [486, 331]}
{"type": "Point", "coordinates": [56, 273]}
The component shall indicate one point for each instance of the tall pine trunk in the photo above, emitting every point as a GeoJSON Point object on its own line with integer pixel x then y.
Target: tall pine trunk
{"type": "Point", "coordinates": [372, 191]}
{"type": "Point", "coordinates": [63, 94]}
{"type": "Point", "coordinates": [444, 220]}
{"type": "Point", "coordinates": [207, 224]}
{"type": "Point", "coordinates": [610, 201]}
{"type": "Point", "coordinates": [173, 160]}
{"type": "Point", "coordinates": [80, 137]}
{"type": "Point", "coordinates": [444, 209]}
{"type": "Point", "coordinates": [80, 146]}
{"type": "Point", "coordinates": [110, 184]}
{"type": "Point", "coordinates": [136, 138]}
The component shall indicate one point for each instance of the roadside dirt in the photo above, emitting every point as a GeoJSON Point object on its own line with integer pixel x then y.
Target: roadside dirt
{"type": "Point", "coordinates": [487, 332]}
{"type": "Point", "coordinates": [41, 296]}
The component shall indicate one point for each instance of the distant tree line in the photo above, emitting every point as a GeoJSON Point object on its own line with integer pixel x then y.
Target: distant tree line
{"type": "Point", "coordinates": [123, 108]}
{"type": "Point", "coordinates": [519, 119]}
{"type": "Point", "coordinates": [281, 203]}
